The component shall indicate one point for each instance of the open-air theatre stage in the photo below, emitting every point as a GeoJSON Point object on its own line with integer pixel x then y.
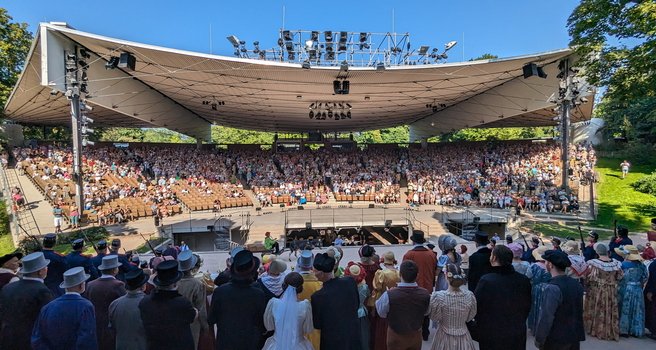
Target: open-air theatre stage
{"type": "Point", "coordinates": [188, 91]}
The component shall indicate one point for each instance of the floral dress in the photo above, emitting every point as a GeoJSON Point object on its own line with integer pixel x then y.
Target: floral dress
{"type": "Point", "coordinates": [600, 311]}
{"type": "Point", "coordinates": [631, 301]}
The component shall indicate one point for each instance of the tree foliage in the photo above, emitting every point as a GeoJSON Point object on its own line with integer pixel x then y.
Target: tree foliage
{"type": "Point", "coordinates": [616, 43]}
{"type": "Point", "coordinates": [15, 42]}
{"type": "Point", "coordinates": [485, 56]}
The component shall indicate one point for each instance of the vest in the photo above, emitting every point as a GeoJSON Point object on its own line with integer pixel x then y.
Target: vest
{"type": "Point", "coordinates": [407, 307]}
{"type": "Point", "coordinates": [567, 326]}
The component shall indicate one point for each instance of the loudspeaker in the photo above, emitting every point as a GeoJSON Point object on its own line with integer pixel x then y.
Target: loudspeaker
{"type": "Point", "coordinates": [300, 207]}
{"type": "Point", "coordinates": [210, 228]}
{"type": "Point", "coordinates": [308, 225]}
{"type": "Point", "coordinates": [532, 69]}
{"type": "Point", "coordinates": [371, 206]}
{"type": "Point", "coordinates": [337, 87]}
{"type": "Point", "coordinates": [388, 223]}
{"type": "Point", "coordinates": [477, 219]}
{"type": "Point", "coordinates": [127, 60]}
{"type": "Point", "coordinates": [282, 205]}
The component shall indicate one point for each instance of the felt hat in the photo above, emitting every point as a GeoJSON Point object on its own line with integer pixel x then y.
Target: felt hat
{"type": "Point", "coordinates": [389, 258]}
{"type": "Point", "coordinates": [135, 279]}
{"type": "Point", "coordinates": [555, 240]}
{"type": "Point", "coordinates": [572, 248]}
{"type": "Point", "coordinates": [601, 249]}
{"type": "Point", "coordinates": [516, 249]}
{"type": "Point", "coordinates": [33, 262]}
{"type": "Point", "coordinates": [167, 273]}
{"type": "Point", "coordinates": [558, 258]}
{"type": "Point", "coordinates": [74, 277]}
{"type": "Point", "coordinates": [366, 251]}
{"type": "Point", "coordinates": [109, 262]}
{"type": "Point", "coordinates": [537, 253]}
{"type": "Point", "coordinates": [418, 237]}
{"type": "Point", "coordinates": [244, 263]}
{"type": "Point", "coordinates": [186, 260]}
{"type": "Point", "coordinates": [78, 244]}
{"type": "Point", "coordinates": [116, 243]}
{"type": "Point", "coordinates": [305, 260]}
{"type": "Point", "coordinates": [277, 266]}
{"type": "Point", "coordinates": [324, 262]}
{"type": "Point", "coordinates": [17, 254]}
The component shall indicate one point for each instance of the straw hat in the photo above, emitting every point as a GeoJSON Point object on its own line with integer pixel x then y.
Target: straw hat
{"type": "Point", "coordinates": [572, 248]}
{"type": "Point", "coordinates": [537, 253]}
{"type": "Point", "coordinates": [629, 252]}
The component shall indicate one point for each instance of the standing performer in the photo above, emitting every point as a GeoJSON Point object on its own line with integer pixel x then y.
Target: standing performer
{"type": "Point", "coordinates": [625, 168]}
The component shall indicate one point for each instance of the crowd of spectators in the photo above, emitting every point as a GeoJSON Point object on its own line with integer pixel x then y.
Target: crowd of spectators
{"type": "Point", "coordinates": [526, 175]}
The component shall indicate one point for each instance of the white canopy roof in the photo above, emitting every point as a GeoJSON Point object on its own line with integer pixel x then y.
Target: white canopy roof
{"type": "Point", "coordinates": [168, 89]}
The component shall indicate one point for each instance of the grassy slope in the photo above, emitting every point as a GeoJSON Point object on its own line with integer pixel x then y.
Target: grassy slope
{"type": "Point", "coordinates": [6, 245]}
{"type": "Point", "coordinates": [616, 199]}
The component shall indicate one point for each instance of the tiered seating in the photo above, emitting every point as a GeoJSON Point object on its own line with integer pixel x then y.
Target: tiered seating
{"type": "Point", "coordinates": [195, 199]}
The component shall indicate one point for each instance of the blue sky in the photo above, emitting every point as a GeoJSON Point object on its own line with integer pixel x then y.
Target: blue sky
{"type": "Point", "coordinates": [502, 27]}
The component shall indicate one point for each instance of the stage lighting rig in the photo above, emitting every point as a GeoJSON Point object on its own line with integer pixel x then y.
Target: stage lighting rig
{"type": "Point", "coordinates": [330, 110]}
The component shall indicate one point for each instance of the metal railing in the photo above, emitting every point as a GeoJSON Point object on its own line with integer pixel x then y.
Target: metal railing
{"type": "Point", "coordinates": [22, 220]}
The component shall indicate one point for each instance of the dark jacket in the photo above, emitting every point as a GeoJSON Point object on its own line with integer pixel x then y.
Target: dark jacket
{"type": "Point", "coordinates": [479, 265]}
{"type": "Point", "coordinates": [125, 266]}
{"type": "Point", "coordinates": [167, 318]}
{"type": "Point", "coordinates": [589, 253]}
{"type": "Point", "coordinates": [616, 243]}
{"type": "Point", "coordinates": [101, 292]}
{"type": "Point", "coordinates": [560, 321]}
{"type": "Point", "coordinates": [56, 269]}
{"type": "Point", "coordinates": [66, 323]}
{"type": "Point", "coordinates": [335, 313]}
{"type": "Point", "coordinates": [503, 301]}
{"type": "Point", "coordinates": [20, 304]}
{"type": "Point", "coordinates": [75, 259]}
{"type": "Point", "coordinates": [238, 311]}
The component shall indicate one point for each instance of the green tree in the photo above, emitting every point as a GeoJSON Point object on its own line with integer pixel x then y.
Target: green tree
{"type": "Point", "coordinates": [485, 56]}
{"type": "Point", "coordinates": [15, 42]}
{"type": "Point", "coordinates": [120, 134]}
{"type": "Point", "coordinates": [616, 43]}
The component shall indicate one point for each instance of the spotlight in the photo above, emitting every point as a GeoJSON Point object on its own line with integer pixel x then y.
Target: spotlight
{"type": "Point", "coordinates": [112, 63]}
{"type": "Point", "coordinates": [328, 35]}
{"type": "Point", "coordinates": [314, 35]}
{"type": "Point", "coordinates": [214, 106]}
{"type": "Point", "coordinates": [348, 114]}
{"type": "Point", "coordinates": [423, 50]}
{"type": "Point", "coordinates": [287, 35]}
{"type": "Point", "coordinates": [54, 92]}
{"type": "Point", "coordinates": [84, 53]}
{"type": "Point", "coordinates": [380, 67]}
{"type": "Point", "coordinates": [233, 40]}
{"type": "Point", "coordinates": [311, 115]}
{"type": "Point", "coordinates": [306, 64]}
{"type": "Point", "coordinates": [289, 46]}
{"type": "Point", "coordinates": [280, 42]}
{"type": "Point", "coordinates": [448, 46]}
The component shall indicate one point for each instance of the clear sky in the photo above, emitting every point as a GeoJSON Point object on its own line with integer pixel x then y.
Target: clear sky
{"type": "Point", "coordinates": [501, 27]}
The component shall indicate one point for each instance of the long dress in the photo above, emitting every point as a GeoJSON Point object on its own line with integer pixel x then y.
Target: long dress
{"type": "Point", "coordinates": [450, 311]}
{"type": "Point", "coordinates": [631, 302]}
{"type": "Point", "coordinates": [305, 325]}
{"type": "Point", "coordinates": [384, 280]}
{"type": "Point", "coordinates": [363, 293]}
{"type": "Point", "coordinates": [600, 312]}
{"type": "Point", "coordinates": [540, 276]}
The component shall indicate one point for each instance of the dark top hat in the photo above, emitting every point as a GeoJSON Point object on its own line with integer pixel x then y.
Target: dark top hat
{"type": "Point", "coordinates": [244, 263]}
{"type": "Point", "coordinates": [482, 237]}
{"type": "Point", "coordinates": [135, 279]}
{"type": "Point", "coordinates": [167, 273]}
{"type": "Point", "coordinates": [418, 237]}
{"type": "Point", "coordinates": [367, 251]}
{"type": "Point", "coordinates": [116, 243]}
